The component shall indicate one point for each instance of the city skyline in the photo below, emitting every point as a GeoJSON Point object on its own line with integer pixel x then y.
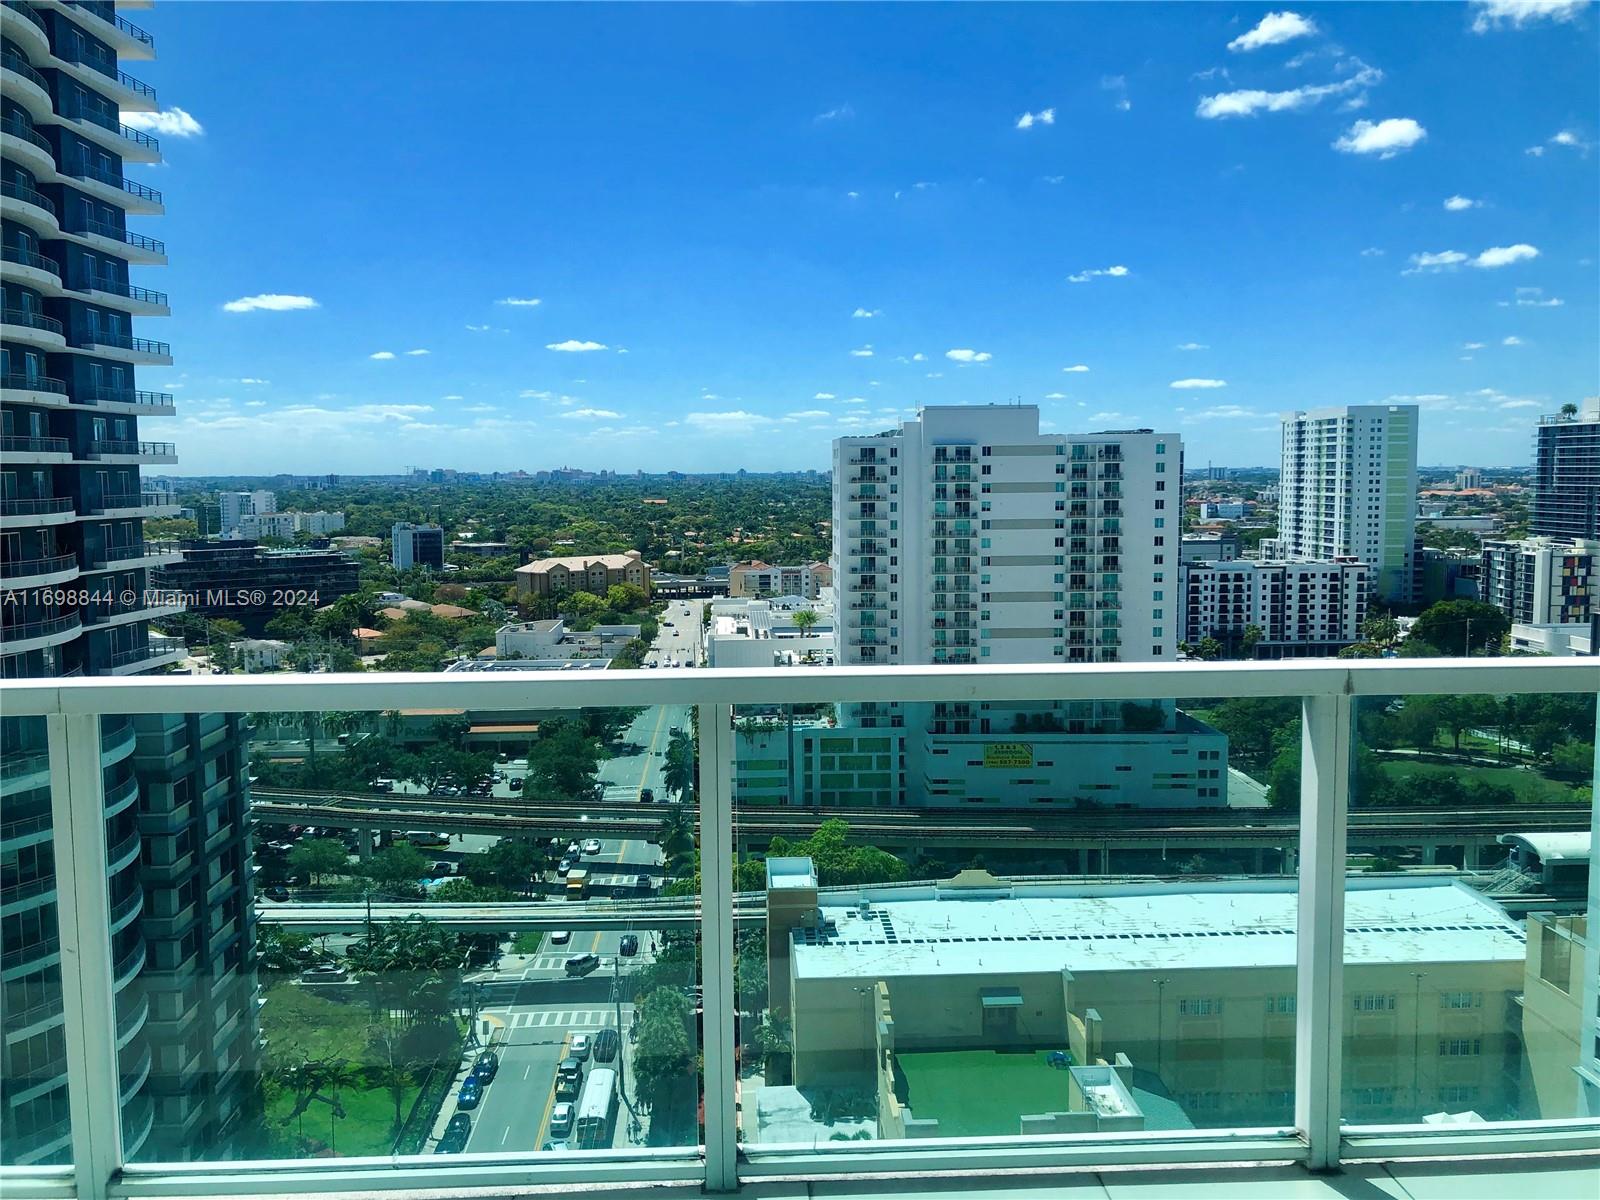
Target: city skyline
{"type": "Point", "coordinates": [1166, 218]}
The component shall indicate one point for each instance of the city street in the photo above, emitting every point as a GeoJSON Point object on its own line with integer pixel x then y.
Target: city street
{"type": "Point", "coordinates": [679, 646]}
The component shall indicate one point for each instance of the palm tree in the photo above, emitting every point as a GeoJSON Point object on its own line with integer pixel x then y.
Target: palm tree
{"type": "Point", "coordinates": [804, 620]}
{"type": "Point", "coordinates": [676, 835]}
{"type": "Point", "coordinates": [336, 1073]}
{"type": "Point", "coordinates": [677, 776]}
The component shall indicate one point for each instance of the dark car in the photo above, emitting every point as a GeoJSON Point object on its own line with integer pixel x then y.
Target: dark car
{"type": "Point", "coordinates": [441, 869]}
{"type": "Point", "coordinates": [277, 892]}
{"type": "Point", "coordinates": [606, 1044]}
{"type": "Point", "coordinates": [629, 946]}
{"type": "Point", "coordinates": [568, 1089]}
{"type": "Point", "coordinates": [569, 1068]}
{"type": "Point", "coordinates": [471, 1092]}
{"type": "Point", "coordinates": [455, 1136]}
{"type": "Point", "coordinates": [647, 795]}
{"type": "Point", "coordinates": [515, 785]}
{"type": "Point", "coordinates": [487, 1066]}
{"type": "Point", "coordinates": [582, 964]}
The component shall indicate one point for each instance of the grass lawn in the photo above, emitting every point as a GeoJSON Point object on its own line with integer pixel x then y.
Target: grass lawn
{"type": "Point", "coordinates": [1530, 786]}
{"type": "Point", "coordinates": [980, 1093]}
{"type": "Point", "coordinates": [527, 942]}
{"type": "Point", "coordinates": [303, 1026]}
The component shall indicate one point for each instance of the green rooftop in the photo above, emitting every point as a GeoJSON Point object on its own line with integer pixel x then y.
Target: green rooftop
{"type": "Point", "coordinates": [979, 1093]}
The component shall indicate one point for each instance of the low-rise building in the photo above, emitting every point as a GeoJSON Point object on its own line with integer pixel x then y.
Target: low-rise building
{"type": "Point", "coordinates": [770, 632]}
{"type": "Point", "coordinates": [592, 573]}
{"type": "Point", "coordinates": [758, 578]}
{"type": "Point", "coordinates": [480, 549]}
{"type": "Point", "coordinates": [1447, 574]}
{"type": "Point", "coordinates": [1226, 510]}
{"type": "Point", "coordinates": [261, 654]}
{"type": "Point", "coordinates": [1302, 609]}
{"type": "Point", "coordinates": [1187, 988]}
{"type": "Point", "coordinates": [551, 641]}
{"type": "Point", "coordinates": [1542, 581]}
{"type": "Point", "coordinates": [1560, 641]}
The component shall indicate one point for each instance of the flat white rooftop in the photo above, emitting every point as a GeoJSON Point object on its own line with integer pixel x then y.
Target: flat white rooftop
{"type": "Point", "coordinates": [1140, 928]}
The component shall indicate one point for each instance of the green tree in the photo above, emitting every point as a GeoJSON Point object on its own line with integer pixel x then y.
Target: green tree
{"type": "Point", "coordinates": [396, 869]}
{"type": "Point", "coordinates": [1576, 758]}
{"type": "Point", "coordinates": [1447, 624]}
{"type": "Point", "coordinates": [678, 770]}
{"type": "Point", "coordinates": [676, 835]}
{"type": "Point", "coordinates": [664, 1051]}
{"type": "Point", "coordinates": [1360, 650]}
{"type": "Point", "coordinates": [804, 621]}
{"type": "Point", "coordinates": [1418, 721]}
{"type": "Point", "coordinates": [317, 858]}
{"type": "Point", "coordinates": [1380, 629]}
{"type": "Point", "coordinates": [1253, 634]}
{"type": "Point", "coordinates": [283, 950]}
{"type": "Point", "coordinates": [510, 863]}
{"type": "Point", "coordinates": [564, 759]}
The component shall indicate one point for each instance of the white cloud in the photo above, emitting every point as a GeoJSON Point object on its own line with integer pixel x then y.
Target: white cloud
{"type": "Point", "coordinates": [269, 302]}
{"type": "Point", "coordinates": [382, 355]}
{"type": "Point", "coordinates": [1532, 297]}
{"type": "Point", "coordinates": [573, 346]}
{"type": "Point", "coordinates": [1504, 256]}
{"type": "Point", "coordinates": [479, 328]}
{"type": "Point", "coordinates": [1055, 179]}
{"type": "Point", "coordinates": [1443, 260]}
{"type": "Point", "coordinates": [1045, 116]}
{"type": "Point", "coordinates": [734, 421]}
{"type": "Point", "coordinates": [1220, 412]}
{"type": "Point", "coordinates": [1372, 252]}
{"type": "Point", "coordinates": [1055, 395]}
{"type": "Point", "coordinates": [521, 301]}
{"type": "Point", "coordinates": [1461, 204]}
{"type": "Point", "coordinates": [811, 414]}
{"type": "Point", "coordinates": [1472, 345]}
{"type": "Point", "coordinates": [1567, 138]}
{"type": "Point", "coordinates": [856, 400]}
{"type": "Point", "coordinates": [1273, 30]}
{"type": "Point", "coordinates": [867, 312]}
{"type": "Point", "coordinates": [1193, 346]}
{"type": "Point", "coordinates": [452, 397]}
{"type": "Point", "coordinates": [968, 356]}
{"type": "Point", "coordinates": [1520, 404]}
{"type": "Point", "coordinates": [173, 122]}
{"type": "Point", "coordinates": [842, 113]}
{"type": "Point", "coordinates": [1118, 85]}
{"type": "Point", "coordinates": [1075, 369]}
{"type": "Point", "coordinates": [1099, 417]}
{"type": "Point", "coordinates": [1511, 340]}
{"type": "Point", "coordinates": [1385, 138]}
{"type": "Point", "coordinates": [1497, 14]}
{"type": "Point", "coordinates": [1249, 102]}
{"type": "Point", "coordinates": [853, 195]}
{"type": "Point", "coordinates": [589, 414]}
{"type": "Point", "coordinates": [1198, 383]}
{"type": "Point", "coordinates": [417, 353]}
{"type": "Point", "coordinates": [863, 352]}
{"type": "Point", "coordinates": [1117, 272]}
{"type": "Point", "coordinates": [823, 396]}
{"type": "Point", "coordinates": [249, 380]}
{"type": "Point", "coordinates": [255, 403]}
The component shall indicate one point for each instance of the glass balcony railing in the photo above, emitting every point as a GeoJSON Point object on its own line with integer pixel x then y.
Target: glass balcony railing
{"type": "Point", "coordinates": [126, 236]}
{"type": "Point", "coordinates": [29, 258]}
{"type": "Point", "coordinates": [33, 383]}
{"type": "Point", "coordinates": [114, 180]}
{"type": "Point", "coordinates": [755, 923]}
{"type": "Point", "coordinates": [31, 320]}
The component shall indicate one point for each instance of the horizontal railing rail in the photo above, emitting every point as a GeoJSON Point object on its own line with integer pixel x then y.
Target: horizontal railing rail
{"type": "Point", "coordinates": [33, 383]}
{"type": "Point", "coordinates": [126, 236]}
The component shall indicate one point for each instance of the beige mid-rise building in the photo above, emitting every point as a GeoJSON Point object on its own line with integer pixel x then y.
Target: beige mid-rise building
{"type": "Point", "coordinates": [583, 573]}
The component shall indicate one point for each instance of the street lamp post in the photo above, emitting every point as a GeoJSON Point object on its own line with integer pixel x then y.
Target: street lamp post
{"type": "Point", "coordinates": [1161, 1009]}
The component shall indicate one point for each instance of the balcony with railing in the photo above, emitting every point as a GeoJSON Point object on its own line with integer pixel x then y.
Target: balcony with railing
{"type": "Point", "coordinates": [124, 346]}
{"type": "Point", "coordinates": [907, 1045]}
{"type": "Point", "coordinates": [137, 247]}
{"type": "Point", "coordinates": [150, 452]}
{"type": "Point", "coordinates": [144, 301]}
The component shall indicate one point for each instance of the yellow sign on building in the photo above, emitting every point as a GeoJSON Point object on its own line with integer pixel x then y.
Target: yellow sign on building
{"type": "Point", "coordinates": [1007, 756]}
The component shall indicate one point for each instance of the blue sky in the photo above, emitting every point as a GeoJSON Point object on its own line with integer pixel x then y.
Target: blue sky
{"type": "Point", "coordinates": [782, 223]}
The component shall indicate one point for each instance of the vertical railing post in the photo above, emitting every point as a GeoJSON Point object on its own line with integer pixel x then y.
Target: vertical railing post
{"type": "Point", "coordinates": [1325, 754]}
{"type": "Point", "coordinates": [717, 946]}
{"type": "Point", "coordinates": [83, 920]}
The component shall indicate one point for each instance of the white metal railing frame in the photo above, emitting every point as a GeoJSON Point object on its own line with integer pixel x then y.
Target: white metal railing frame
{"type": "Point", "coordinates": [71, 709]}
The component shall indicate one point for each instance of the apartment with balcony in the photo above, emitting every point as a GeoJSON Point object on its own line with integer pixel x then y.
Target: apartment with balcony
{"type": "Point", "coordinates": [1566, 473]}
{"type": "Point", "coordinates": [968, 537]}
{"type": "Point", "coordinates": [1348, 488]}
{"type": "Point", "coordinates": [1298, 609]}
{"type": "Point", "coordinates": [758, 578]}
{"type": "Point", "coordinates": [75, 565]}
{"type": "Point", "coordinates": [1542, 580]}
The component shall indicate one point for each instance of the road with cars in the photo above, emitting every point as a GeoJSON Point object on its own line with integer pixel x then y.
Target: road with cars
{"type": "Point", "coordinates": [679, 644]}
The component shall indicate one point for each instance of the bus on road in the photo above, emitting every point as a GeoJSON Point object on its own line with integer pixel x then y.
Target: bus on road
{"type": "Point", "coordinates": [597, 1111]}
{"type": "Point", "coordinates": [578, 884]}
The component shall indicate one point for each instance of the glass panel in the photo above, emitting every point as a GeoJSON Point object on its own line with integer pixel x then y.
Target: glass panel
{"type": "Point", "coordinates": [33, 1069]}
{"type": "Point", "coordinates": [387, 933]}
{"type": "Point", "coordinates": [1016, 919]}
{"type": "Point", "coordinates": [1465, 988]}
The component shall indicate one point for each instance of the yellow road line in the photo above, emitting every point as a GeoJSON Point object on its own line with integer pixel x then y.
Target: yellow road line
{"type": "Point", "coordinates": [550, 1100]}
{"type": "Point", "coordinates": [661, 717]}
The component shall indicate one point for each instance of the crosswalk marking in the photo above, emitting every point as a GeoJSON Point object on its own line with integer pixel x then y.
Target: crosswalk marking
{"type": "Point", "coordinates": [556, 1018]}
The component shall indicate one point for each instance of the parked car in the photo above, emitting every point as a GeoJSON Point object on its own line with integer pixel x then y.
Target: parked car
{"type": "Point", "coordinates": [516, 784]}
{"type": "Point", "coordinates": [592, 846]}
{"type": "Point", "coordinates": [455, 1136]}
{"type": "Point", "coordinates": [582, 964]}
{"type": "Point", "coordinates": [561, 1119]}
{"type": "Point", "coordinates": [326, 973]}
{"type": "Point", "coordinates": [559, 1146]}
{"type": "Point", "coordinates": [277, 892]}
{"type": "Point", "coordinates": [487, 1066]}
{"type": "Point", "coordinates": [560, 937]}
{"type": "Point", "coordinates": [573, 849]}
{"type": "Point", "coordinates": [643, 883]}
{"type": "Point", "coordinates": [441, 869]}
{"type": "Point", "coordinates": [383, 785]}
{"type": "Point", "coordinates": [579, 1047]}
{"type": "Point", "coordinates": [647, 795]}
{"type": "Point", "coordinates": [471, 1092]}
{"type": "Point", "coordinates": [568, 1087]}
{"type": "Point", "coordinates": [606, 1045]}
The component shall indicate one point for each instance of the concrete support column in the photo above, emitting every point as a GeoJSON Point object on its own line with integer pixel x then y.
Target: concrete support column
{"type": "Point", "coordinates": [364, 844]}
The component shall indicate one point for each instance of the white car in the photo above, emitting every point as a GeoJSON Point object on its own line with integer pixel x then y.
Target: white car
{"type": "Point", "coordinates": [592, 846]}
{"type": "Point", "coordinates": [579, 1049]}
{"type": "Point", "coordinates": [561, 1120]}
{"type": "Point", "coordinates": [560, 937]}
